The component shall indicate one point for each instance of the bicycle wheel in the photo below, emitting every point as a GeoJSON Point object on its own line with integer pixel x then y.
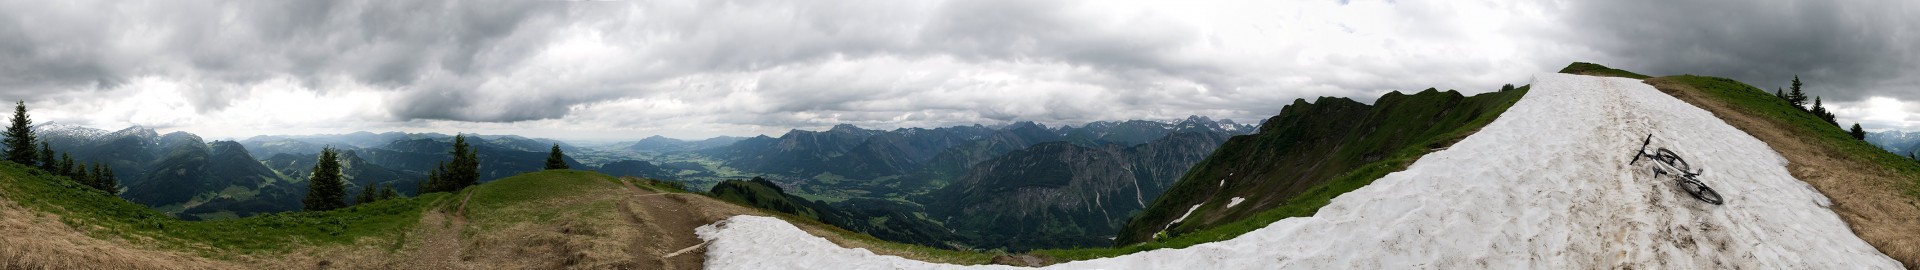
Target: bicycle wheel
{"type": "Point", "coordinates": [1670, 158]}
{"type": "Point", "coordinates": [1700, 191]}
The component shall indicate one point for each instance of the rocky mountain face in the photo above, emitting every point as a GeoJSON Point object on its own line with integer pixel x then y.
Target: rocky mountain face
{"type": "Point", "coordinates": [1061, 194]}
{"type": "Point", "coordinates": [898, 226]}
{"type": "Point", "coordinates": [1306, 145]}
{"type": "Point", "coordinates": [1075, 185]}
{"type": "Point", "coordinates": [194, 177]}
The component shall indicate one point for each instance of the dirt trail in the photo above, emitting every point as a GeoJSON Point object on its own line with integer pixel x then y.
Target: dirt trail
{"type": "Point", "coordinates": [1867, 196]}
{"type": "Point", "coordinates": [666, 221]}
{"type": "Point", "coordinates": [440, 246]}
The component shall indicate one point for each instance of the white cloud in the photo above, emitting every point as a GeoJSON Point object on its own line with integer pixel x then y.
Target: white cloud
{"type": "Point", "coordinates": [1879, 114]}
{"type": "Point", "coordinates": [611, 70]}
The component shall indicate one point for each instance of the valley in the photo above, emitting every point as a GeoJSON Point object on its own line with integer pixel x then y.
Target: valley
{"type": "Point", "coordinates": [896, 184]}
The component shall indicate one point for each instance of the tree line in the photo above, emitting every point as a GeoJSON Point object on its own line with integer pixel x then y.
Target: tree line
{"type": "Point", "coordinates": [20, 143]}
{"type": "Point", "coordinates": [326, 189]}
{"type": "Point", "coordinates": [1798, 99]}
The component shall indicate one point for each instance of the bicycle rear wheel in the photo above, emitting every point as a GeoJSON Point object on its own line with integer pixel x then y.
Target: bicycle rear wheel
{"type": "Point", "coordinates": [1700, 191]}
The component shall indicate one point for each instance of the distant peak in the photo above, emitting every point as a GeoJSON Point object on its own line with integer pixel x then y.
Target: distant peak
{"type": "Point", "coordinates": [846, 127]}
{"type": "Point", "coordinates": [1198, 119]}
{"type": "Point", "coordinates": [1025, 124]}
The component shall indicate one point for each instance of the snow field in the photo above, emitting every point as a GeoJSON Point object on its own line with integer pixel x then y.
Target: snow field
{"type": "Point", "coordinates": [1547, 185]}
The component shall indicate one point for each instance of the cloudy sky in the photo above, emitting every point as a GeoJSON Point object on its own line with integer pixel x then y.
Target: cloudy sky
{"type": "Point", "coordinates": [693, 69]}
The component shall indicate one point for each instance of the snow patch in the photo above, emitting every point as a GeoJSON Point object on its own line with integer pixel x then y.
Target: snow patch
{"type": "Point", "coordinates": [1545, 186]}
{"type": "Point", "coordinates": [1183, 216]}
{"type": "Point", "coordinates": [1235, 201]}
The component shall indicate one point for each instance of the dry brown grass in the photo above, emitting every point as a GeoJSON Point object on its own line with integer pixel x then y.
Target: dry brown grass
{"type": "Point", "coordinates": [37, 240]}
{"type": "Point", "coordinates": [613, 228]}
{"type": "Point", "coordinates": [1868, 197]}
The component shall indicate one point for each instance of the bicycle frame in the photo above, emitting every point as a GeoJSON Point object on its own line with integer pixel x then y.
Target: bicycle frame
{"type": "Point", "coordinates": [1664, 163]}
{"type": "Point", "coordinates": [1668, 162]}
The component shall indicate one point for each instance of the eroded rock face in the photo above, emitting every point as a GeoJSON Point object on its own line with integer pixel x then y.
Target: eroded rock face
{"type": "Point", "coordinates": [1061, 194]}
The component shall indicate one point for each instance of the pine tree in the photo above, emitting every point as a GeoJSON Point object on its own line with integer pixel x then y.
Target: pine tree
{"type": "Point", "coordinates": [47, 163]}
{"type": "Point", "coordinates": [325, 189]}
{"type": "Point", "coordinates": [1799, 99]}
{"type": "Point", "coordinates": [1821, 111]}
{"type": "Point", "coordinates": [558, 161]}
{"type": "Point", "coordinates": [1778, 93]}
{"type": "Point", "coordinates": [66, 165]}
{"type": "Point", "coordinates": [110, 183]}
{"type": "Point", "coordinates": [366, 195]}
{"type": "Point", "coordinates": [1818, 110]}
{"type": "Point", "coordinates": [388, 193]}
{"type": "Point", "coordinates": [1508, 87]}
{"type": "Point", "coordinates": [98, 174]}
{"type": "Point", "coordinates": [1858, 134]}
{"type": "Point", "coordinates": [457, 173]}
{"type": "Point", "coordinates": [81, 175]}
{"type": "Point", "coordinates": [20, 137]}
{"type": "Point", "coordinates": [465, 170]}
{"type": "Point", "coordinates": [436, 180]}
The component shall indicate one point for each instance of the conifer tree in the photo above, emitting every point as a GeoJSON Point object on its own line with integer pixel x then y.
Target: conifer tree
{"type": "Point", "coordinates": [1858, 134]}
{"type": "Point", "coordinates": [1778, 93]}
{"type": "Point", "coordinates": [556, 160]}
{"type": "Point", "coordinates": [82, 175]}
{"type": "Point", "coordinates": [1508, 87]}
{"type": "Point", "coordinates": [436, 180]}
{"type": "Point", "coordinates": [325, 188]}
{"type": "Point", "coordinates": [47, 163]}
{"type": "Point", "coordinates": [1799, 99]}
{"type": "Point", "coordinates": [457, 173]}
{"type": "Point", "coordinates": [110, 183]}
{"type": "Point", "coordinates": [388, 193]}
{"type": "Point", "coordinates": [20, 137]}
{"type": "Point", "coordinates": [366, 195]}
{"type": "Point", "coordinates": [465, 169]}
{"type": "Point", "coordinates": [66, 165]}
{"type": "Point", "coordinates": [98, 173]}
{"type": "Point", "coordinates": [1821, 111]}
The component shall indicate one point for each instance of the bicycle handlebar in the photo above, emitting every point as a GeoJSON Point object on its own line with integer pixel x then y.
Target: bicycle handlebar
{"type": "Point", "coordinates": [1643, 149]}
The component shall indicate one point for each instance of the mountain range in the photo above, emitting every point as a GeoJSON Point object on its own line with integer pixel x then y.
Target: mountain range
{"type": "Point", "coordinates": [983, 183]}
{"type": "Point", "coordinates": [1899, 142]}
{"type": "Point", "coordinates": [1306, 146]}
{"type": "Point", "coordinates": [181, 174]}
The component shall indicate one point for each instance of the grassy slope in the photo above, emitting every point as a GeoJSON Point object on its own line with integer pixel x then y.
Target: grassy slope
{"type": "Point", "coordinates": [1876, 192]}
{"type": "Point", "coordinates": [1761, 103]}
{"type": "Point", "coordinates": [105, 216]}
{"type": "Point", "coordinates": [499, 210]}
{"type": "Point", "coordinates": [1310, 201]}
{"type": "Point", "coordinates": [1591, 69]}
{"type": "Point", "coordinates": [1764, 104]}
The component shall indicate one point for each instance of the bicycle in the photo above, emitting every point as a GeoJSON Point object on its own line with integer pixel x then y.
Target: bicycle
{"type": "Point", "coordinates": [1668, 163]}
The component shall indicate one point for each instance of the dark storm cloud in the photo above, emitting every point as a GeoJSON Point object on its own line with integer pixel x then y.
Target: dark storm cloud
{"type": "Point", "coordinates": [45, 46]}
{"type": "Point", "coordinates": [1844, 50]}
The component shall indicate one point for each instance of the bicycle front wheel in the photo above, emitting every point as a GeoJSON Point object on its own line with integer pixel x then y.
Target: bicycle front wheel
{"type": "Point", "coordinates": [1700, 191]}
